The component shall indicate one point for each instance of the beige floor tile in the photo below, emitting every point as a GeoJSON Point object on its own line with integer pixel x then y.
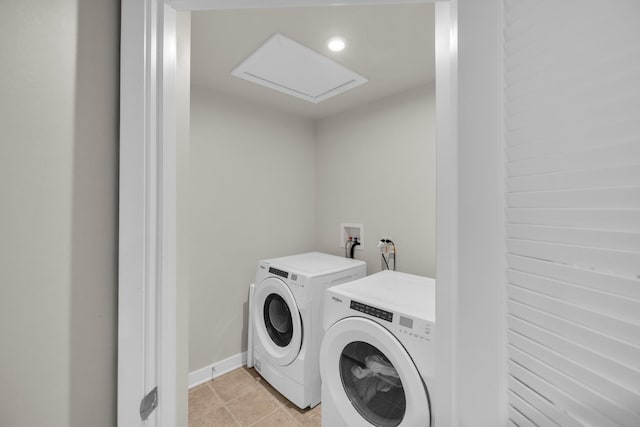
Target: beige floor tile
{"type": "Point", "coordinates": [233, 385]}
{"type": "Point", "coordinates": [312, 420]}
{"type": "Point", "coordinates": [253, 406]}
{"type": "Point", "coordinates": [300, 415]}
{"type": "Point", "coordinates": [278, 418]}
{"type": "Point", "coordinates": [201, 398]}
{"type": "Point", "coordinates": [251, 372]}
{"type": "Point", "coordinates": [317, 410]}
{"type": "Point", "coordinates": [273, 392]}
{"type": "Point", "coordinates": [243, 398]}
{"type": "Point", "coordinates": [217, 416]}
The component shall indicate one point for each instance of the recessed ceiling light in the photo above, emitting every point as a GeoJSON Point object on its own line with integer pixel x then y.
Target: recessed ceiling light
{"type": "Point", "coordinates": [336, 44]}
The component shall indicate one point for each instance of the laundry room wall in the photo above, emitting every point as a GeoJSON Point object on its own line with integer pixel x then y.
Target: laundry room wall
{"type": "Point", "coordinates": [253, 182]}
{"type": "Point", "coordinates": [59, 212]}
{"type": "Point", "coordinates": [376, 166]}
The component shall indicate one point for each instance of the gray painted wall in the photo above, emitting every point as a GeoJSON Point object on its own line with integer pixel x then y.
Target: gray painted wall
{"type": "Point", "coordinates": [301, 178]}
{"type": "Point", "coordinates": [376, 167]}
{"type": "Point", "coordinates": [252, 197]}
{"type": "Point", "coordinates": [58, 219]}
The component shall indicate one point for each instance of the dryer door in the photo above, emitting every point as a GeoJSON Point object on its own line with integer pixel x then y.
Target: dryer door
{"type": "Point", "coordinates": [277, 321]}
{"type": "Point", "coordinates": [371, 377]}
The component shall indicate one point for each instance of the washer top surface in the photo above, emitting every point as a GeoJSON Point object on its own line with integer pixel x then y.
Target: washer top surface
{"type": "Point", "coordinates": [394, 291]}
{"type": "Point", "coordinates": [313, 264]}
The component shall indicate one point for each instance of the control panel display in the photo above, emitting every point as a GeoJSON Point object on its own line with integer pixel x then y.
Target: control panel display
{"type": "Point", "coordinates": [406, 322]}
{"type": "Point", "coordinates": [279, 272]}
{"type": "Point", "coordinates": [372, 311]}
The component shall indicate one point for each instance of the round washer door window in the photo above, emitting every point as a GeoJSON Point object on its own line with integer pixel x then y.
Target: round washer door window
{"type": "Point", "coordinates": [276, 321]}
{"type": "Point", "coordinates": [372, 384]}
{"type": "Point", "coordinates": [370, 377]}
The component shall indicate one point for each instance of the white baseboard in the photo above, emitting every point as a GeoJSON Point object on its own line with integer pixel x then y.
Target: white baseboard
{"type": "Point", "coordinates": [214, 370]}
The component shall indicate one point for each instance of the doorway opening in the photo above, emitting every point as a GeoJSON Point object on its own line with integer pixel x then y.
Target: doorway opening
{"type": "Point", "coordinates": [273, 175]}
{"type": "Point", "coordinates": [148, 350]}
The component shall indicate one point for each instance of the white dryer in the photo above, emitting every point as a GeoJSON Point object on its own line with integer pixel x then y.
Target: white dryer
{"type": "Point", "coordinates": [286, 312]}
{"type": "Point", "coordinates": [377, 355]}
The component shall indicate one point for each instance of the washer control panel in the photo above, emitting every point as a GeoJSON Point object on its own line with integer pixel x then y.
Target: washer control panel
{"type": "Point", "coordinates": [277, 272]}
{"type": "Point", "coordinates": [414, 328]}
{"type": "Point", "coordinates": [372, 311]}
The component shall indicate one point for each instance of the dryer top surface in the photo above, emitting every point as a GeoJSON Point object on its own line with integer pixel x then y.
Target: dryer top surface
{"type": "Point", "coordinates": [312, 264]}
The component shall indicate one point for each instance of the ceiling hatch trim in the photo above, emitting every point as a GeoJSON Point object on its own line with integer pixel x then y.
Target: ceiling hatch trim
{"type": "Point", "coordinates": [289, 67]}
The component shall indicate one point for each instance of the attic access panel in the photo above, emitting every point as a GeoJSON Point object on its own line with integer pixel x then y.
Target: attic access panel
{"type": "Point", "coordinates": [287, 66]}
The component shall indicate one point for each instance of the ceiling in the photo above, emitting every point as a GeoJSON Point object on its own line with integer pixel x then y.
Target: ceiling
{"type": "Point", "coordinates": [391, 45]}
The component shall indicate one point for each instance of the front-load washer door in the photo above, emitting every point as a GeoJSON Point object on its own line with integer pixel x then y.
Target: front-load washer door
{"type": "Point", "coordinates": [277, 321]}
{"type": "Point", "coordinates": [371, 377]}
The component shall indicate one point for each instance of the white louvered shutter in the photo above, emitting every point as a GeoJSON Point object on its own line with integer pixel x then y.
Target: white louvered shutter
{"type": "Point", "coordinates": [572, 119]}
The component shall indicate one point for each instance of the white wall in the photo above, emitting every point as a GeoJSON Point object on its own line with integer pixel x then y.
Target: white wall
{"type": "Point", "coordinates": [252, 197]}
{"type": "Point", "coordinates": [58, 215]}
{"type": "Point", "coordinates": [376, 167]}
{"type": "Point", "coordinates": [183, 183]}
{"type": "Point", "coordinates": [480, 398]}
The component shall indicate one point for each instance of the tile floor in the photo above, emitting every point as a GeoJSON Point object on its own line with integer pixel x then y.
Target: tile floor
{"type": "Point", "coordinates": [243, 398]}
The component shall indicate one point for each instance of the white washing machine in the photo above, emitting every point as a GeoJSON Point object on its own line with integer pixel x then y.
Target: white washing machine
{"type": "Point", "coordinates": [377, 355]}
{"type": "Point", "coordinates": [286, 311]}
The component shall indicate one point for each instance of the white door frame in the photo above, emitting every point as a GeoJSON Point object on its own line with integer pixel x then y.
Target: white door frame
{"type": "Point", "coordinates": [147, 351]}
